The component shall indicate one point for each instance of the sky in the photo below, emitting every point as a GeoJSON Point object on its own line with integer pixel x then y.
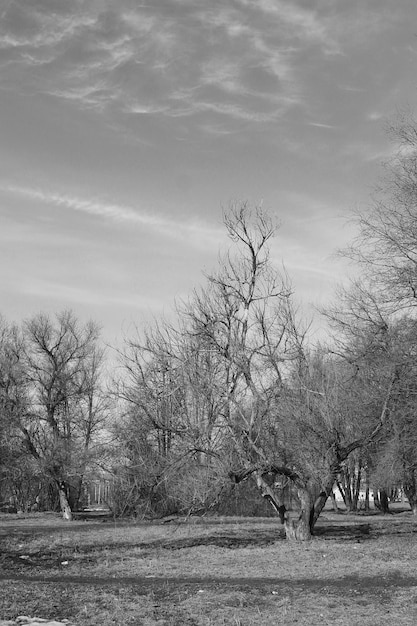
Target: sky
{"type": "Point", "coordinates": [127, 127]}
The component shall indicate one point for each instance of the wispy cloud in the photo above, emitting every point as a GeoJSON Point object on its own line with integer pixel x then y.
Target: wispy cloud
{"type": "Point", "coordinates": [321, 125]}
{"type": "Point", "coordinates": [113, 212]}
{"type": "Point", "coordinates": [375, 116]}
{"type": "Point", "coordinates": [193, 232]}
{"type": "Point", "coordinates": [179, 59]}
{"type": "Point", "coordinates": [137, 60]}
{"type": "Point", "coordinates": [305, 24]}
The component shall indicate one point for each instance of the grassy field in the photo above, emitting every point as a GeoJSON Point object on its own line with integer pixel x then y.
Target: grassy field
{"type": "Point", "coordinates": [239, 571]}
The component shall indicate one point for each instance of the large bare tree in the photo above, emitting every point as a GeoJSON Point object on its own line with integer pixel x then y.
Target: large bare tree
{"type": "Point", "coordinates": [62, 361]}
{"type": "Point", "coordinates": [233, 388]}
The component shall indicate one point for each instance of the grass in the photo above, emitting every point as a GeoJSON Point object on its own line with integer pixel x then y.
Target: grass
{"type": "Point", "coordinates": [357, 570]}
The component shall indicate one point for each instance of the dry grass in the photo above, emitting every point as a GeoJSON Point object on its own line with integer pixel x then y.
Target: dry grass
{"type": "Point", "coordinates": [210, 572]}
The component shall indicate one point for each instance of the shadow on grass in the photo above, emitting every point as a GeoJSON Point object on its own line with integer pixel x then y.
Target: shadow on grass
{"type": "Point", "coordinates": [232, 539]}
{"type": "Point", "coordinates": [344, 531]}
{"type": "Point", "coordinates": [359, 585]}
{"type": "Point", "coordinates": [92, 553]}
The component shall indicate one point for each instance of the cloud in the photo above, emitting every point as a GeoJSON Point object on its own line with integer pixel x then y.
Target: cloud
{"type": "Point", "coordinates": [320, 125]}
{"type": "Point", "coordinates": [375, 116]}
{"type": "Point", "coordinates": [112, 57]}
{"type": "Point", "coordinates": [179, 59]}
{"type": "Point", "coordinates": [25, 26]}
{"type": "Point", "coordinates": [111, 211]}
{"type": "Point", "coordinates": [194, 233]}
{"type": "Point", "coordinates": [304, 24]}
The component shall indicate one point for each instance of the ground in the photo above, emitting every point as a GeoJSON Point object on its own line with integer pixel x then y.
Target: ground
{"type": "Point", "coordinates": [210, 571]}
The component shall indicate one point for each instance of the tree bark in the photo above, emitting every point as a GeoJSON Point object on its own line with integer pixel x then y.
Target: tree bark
{"type": "Point", "coordinates": [367, 489]}
{"type": "Point", "coordinates": [381, 501]}
{"type": "Point", "coordinates": [268, 493]}
{"type": "Point", "coordinates": [63, 501]}
{"type": "Point", "coordinates": [321, 500]}
{"type": "Point", "coordinates": [357, 487]}
{"type": "Point", "coordinates": [299, 528]}
{"type": "Point", "coordinates": [384, 501]}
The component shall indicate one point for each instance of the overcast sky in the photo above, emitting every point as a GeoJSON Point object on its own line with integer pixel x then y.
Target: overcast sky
{"type": "Point", "coordinates": [127, 126]}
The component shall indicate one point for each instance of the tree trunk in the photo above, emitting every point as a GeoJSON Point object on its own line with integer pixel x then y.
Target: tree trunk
{"type": "Point", "coordinates": [350, 483]}
{"type": "Point", "coordinates": [297, 525]}
{"type": "Point", "coordinates": [334, 502]}
{"type": "Point", "coordinates": [298, 528]}
{"type": "Point", "coordinates": [74, 493]}
{"type": "Point", "coordinates": [384, 501]}
{"type": "Point", "coordinates": [63, 501]}
{"type": "Point", "coordinates": [342, 493]}
{"type": "Point", "coordinates": [410, 490]}
{"type": "Point", "coordinates": [381, 501]}
{"type": "Point", "coordinates": [357, 487]}
{"type": "Point", "coordinates": [411, 493]}
{"type": "Point", "coordinates": [268, 493]}
{"type": "Point", "coordinates": [321, 500]}
{"type": "Point", "coordinates": [367, 494]}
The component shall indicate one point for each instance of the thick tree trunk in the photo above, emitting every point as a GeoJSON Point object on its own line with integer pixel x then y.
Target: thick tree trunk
{"type": "Point", "coordinates": [381, 501]}
{"type": "Point", "coordinates": [384, 501]}
{"type": "Point", "coordinates": [298, 527]}
{"type": "Point", "coordinates": [63, 501]}
{"type": "Point", "coordinates": [74, 494]}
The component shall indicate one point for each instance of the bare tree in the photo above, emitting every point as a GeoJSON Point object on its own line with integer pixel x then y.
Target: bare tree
{"type": "Point", "coordinates": [386, 245]}
{"type": "Point", "coordinates": [16, 474]}
{"type": "Point", "coordinates": [235, 389]}
{"type": "Point", "coordinates": [62, 362]}
{"type": "Point", "coordinates": [375, 317]}
{"type": "Point", "coordinates": [169, 389]}
{"type": "Point", "coordinates": [378, 343]}
{"type": "Point", "coordinates": [270, 410]}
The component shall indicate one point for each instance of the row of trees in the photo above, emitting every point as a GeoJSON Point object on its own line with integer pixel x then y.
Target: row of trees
{"type": "Point", "coordinates": [232, 391]}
